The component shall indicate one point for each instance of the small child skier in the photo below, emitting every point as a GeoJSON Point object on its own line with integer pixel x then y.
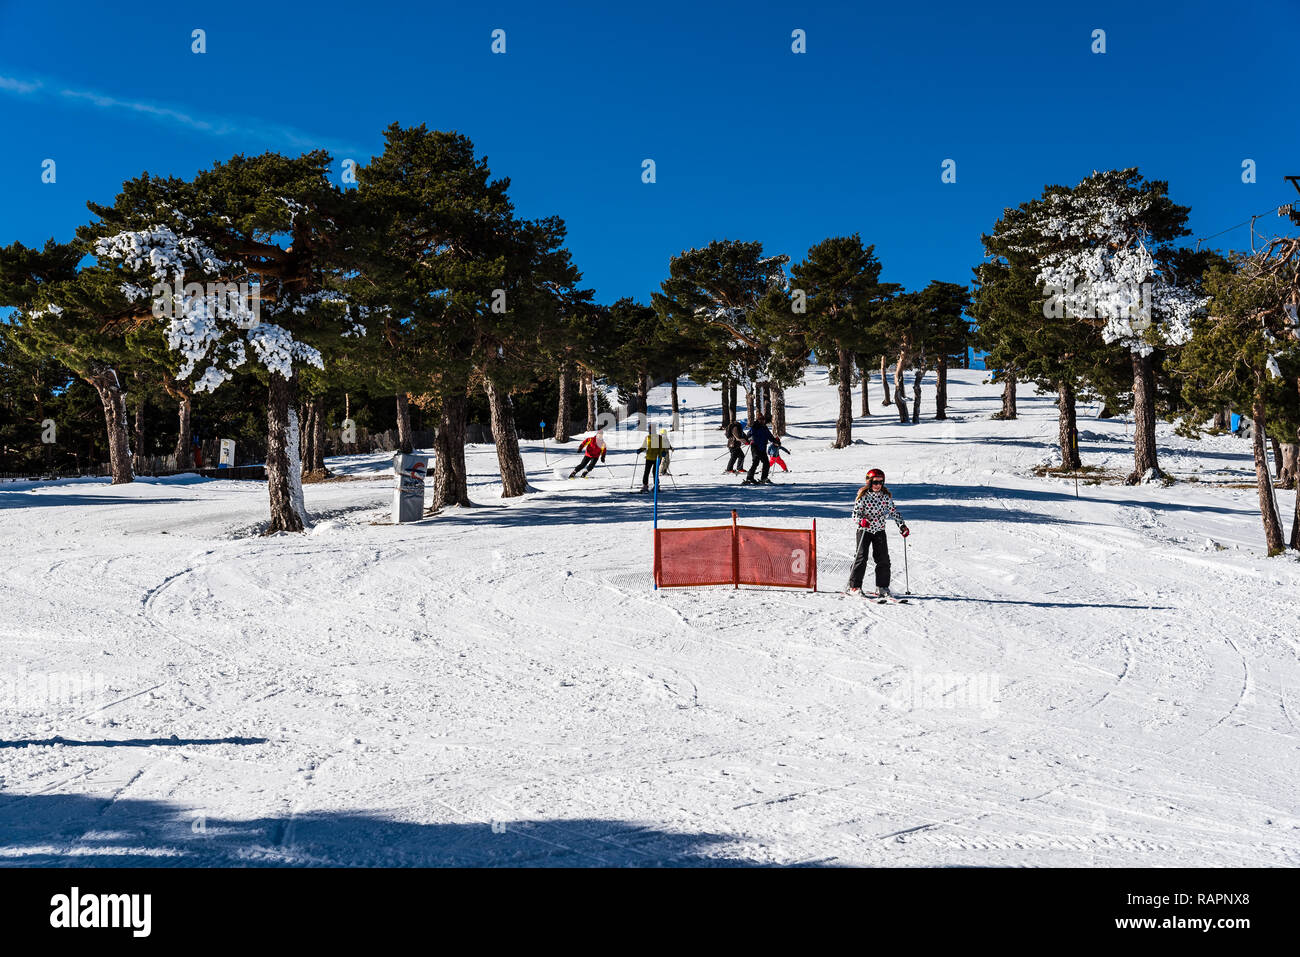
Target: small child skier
{"type": "Point", "coordinates": [774, 450]}
{"type": "Point", "coordinates": [666, 455]}
{"type": "Point", "coordinates": [873, 506]}
{"type": "Point", "coordinates": [592, 448]}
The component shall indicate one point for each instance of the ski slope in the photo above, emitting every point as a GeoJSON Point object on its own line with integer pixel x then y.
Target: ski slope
{"type": "Point", "coordinates": [1103, 680]}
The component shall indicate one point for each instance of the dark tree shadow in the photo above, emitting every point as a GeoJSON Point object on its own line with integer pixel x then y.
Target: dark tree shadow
{"type": "Point", "coordinates": [45, 830]}
{"type": "Point", "coordinates": [129, 742]}
{"type": "Point", "coordinates": [789, 502]}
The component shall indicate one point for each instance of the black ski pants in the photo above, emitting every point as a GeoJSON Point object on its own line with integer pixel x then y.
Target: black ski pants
{"type": "Point", "coordinates": [759, 458]}
{"type": "Point", "coordinates": [867, 542]}
{"type": "Point", "coordinates": [585, 466]}
{"type": "Point", "coordinates": [737, 460]}
{"type": "Point", "coordinates": [649, 470]}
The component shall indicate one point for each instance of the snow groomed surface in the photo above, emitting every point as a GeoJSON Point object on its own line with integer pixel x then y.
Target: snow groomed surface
{"type": "Point", "coordinates": [1107, 680]}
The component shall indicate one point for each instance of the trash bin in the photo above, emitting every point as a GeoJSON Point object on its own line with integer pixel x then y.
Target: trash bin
{"type": "Point", "coordinates": [408, 494]}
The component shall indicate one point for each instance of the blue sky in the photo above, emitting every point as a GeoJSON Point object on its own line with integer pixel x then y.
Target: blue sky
{"type": "Point", "coordinates": [750, 140]}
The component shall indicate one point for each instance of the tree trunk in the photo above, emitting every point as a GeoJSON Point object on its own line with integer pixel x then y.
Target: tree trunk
{"type": "Point", "coordinates": [1008, 396]}
{"type": "Point", "coordinates": [1267, 505]}
{"type": "Point", "coordinates": [900, 395]}
{"type": "Point", "coordinates": [677, 409]}
{"type": "Point", "coordinates": [404, 424]}
{"type": "Point", "coordinates": [1067, 426]}
{"type": "Point", "coordinates": [306, 433]}
{"type": "Point", "coordinates": [884, 379]}
{"type": "Point", "coordinates": [283, 463]}
{"type": "Point", "coordinates": [917, 376]}
{"type": "Point", "coordinates": [941, 389]}
{"type": "Point", "coordinates": [778, 410]}
{"type": "Point", "coordinates": [1144, 420]}
{"type": "Point", "coordinates": [563, 412]}
{"type": "Point", "coordinates": [591, 402]}
{"type": "Point", "coordinates": [1222, 420]}
{"type": "Point", "coordinates": [1277, 457]}
{"type": "Point", "coordinates": [105, 382]}
{"type": "Point", "coordinates": [1290, 465]}
{"type": "Point", "coordinates": [728, 411]}
{"type": "Point", "coordinates": [765, 399]}
{"type": "Point", "coordinates": [1295, 518]}
{"type": "Point", "coordinates": [732, 398]}
{"type": "Point", "coordinates": [514, 480]}
{"type": "Point", "coordinates": [844, 422]}
{"type": "Point", "coordinates": [865, 372]}
{"type": "Point", "coordinates": [749, 405]}
{"type": "Point", "coordinates": [643, 397]}
{"type": "Point", "coordinates": [316, 463]}
{"type": "Point", "coordinates": [450, 486]}
{"type": "Point", "coordinates": [139, 427]}
{"type": "Point", "coordinates": [185, 433]}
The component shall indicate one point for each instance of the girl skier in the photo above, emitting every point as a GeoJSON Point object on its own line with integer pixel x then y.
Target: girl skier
{"type": "Point", "coordinates": [873, 506]}
{"type": "Point", "coordinates": [592, 449]}
{"type": "Point", "coordinates": [774, 450]}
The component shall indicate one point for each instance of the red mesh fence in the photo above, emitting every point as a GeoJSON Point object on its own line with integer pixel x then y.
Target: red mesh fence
{"type": "Point", "coordinates": [736, 555]}
{"type": "Point", "coordinates": [776, 556]}
{"type": "Point", "coordinates": [694, 556]}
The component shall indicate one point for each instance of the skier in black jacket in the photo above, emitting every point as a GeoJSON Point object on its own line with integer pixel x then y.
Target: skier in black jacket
{"type": "Point", "coordinates": [736, 441]}
{"type": "Point", "coordinates": [759, 437]}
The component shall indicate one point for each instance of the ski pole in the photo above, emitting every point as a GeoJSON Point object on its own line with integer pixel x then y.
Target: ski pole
{"type": "Point", "coordinates": [907, 578]}
{"type": "Point", "coordinates": [636, 458]}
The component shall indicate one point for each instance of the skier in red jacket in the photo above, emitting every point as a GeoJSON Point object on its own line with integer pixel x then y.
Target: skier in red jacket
{"type": "Point", "coordinates": [593, 449]}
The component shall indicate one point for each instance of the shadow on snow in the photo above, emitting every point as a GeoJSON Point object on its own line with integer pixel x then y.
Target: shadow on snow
{"type": "Point", "coordinates": [79, 830]}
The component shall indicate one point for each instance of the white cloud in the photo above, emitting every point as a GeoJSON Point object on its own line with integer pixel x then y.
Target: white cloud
{"type": "Point", "coordinates": [275, 135]}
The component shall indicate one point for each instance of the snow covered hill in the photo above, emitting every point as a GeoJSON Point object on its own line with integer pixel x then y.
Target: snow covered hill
{"type": "Point", "coordinates": [1109, 679]}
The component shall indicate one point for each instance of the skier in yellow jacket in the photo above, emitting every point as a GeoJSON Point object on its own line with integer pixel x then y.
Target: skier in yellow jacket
{"type": "Point", "coordinates": [656, 445]}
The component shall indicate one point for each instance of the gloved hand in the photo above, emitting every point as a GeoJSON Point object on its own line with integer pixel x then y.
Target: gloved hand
{"type": "Point", "coordinates": [904, 531]}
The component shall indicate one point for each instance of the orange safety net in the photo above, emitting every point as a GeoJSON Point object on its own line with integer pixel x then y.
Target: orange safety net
{"type": "Point", "coordinates": [736, 555]}
{"type": "Point", "coordinates": [776, 556]}
{"type": "Point", "coordinates": [693, 556]}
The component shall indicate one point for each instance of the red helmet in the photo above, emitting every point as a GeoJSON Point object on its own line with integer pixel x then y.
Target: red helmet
{"type": "Point", "coordinates": [875, 473]}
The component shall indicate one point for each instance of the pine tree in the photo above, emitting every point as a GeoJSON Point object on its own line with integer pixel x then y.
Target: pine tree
{"type": "Point", "coordinates": [269, 221]}
{"type": "Point", "coordinates": [68, 313]}
{"type": "Point", "coordinates": [1094, 249]}
{"type": "Point", "coordinates": [840, 278]}
{"type": "Point", "coordinates": [1246, 353]}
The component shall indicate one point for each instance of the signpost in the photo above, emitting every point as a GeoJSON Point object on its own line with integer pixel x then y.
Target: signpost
{"type": "Point", "coordinates": [408, 493]}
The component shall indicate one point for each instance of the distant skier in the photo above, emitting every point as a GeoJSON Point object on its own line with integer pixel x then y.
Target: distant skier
{"type": "Point", "coordinates": [736, 442]}
{"type": "Point", "coordinates": [774, 454]}
{"type": "Point", "coordinates": [873, 506]}
{"type": "Point", "coordinates": [759, 437]}
{"type": "Point", "coordinates": [655, 445]}
{"type": "Point", "coordinates": [593, 448]}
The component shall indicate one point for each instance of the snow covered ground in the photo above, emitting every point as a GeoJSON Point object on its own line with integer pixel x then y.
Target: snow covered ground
{"type": "Point", "coordinates": [1108, 680]}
